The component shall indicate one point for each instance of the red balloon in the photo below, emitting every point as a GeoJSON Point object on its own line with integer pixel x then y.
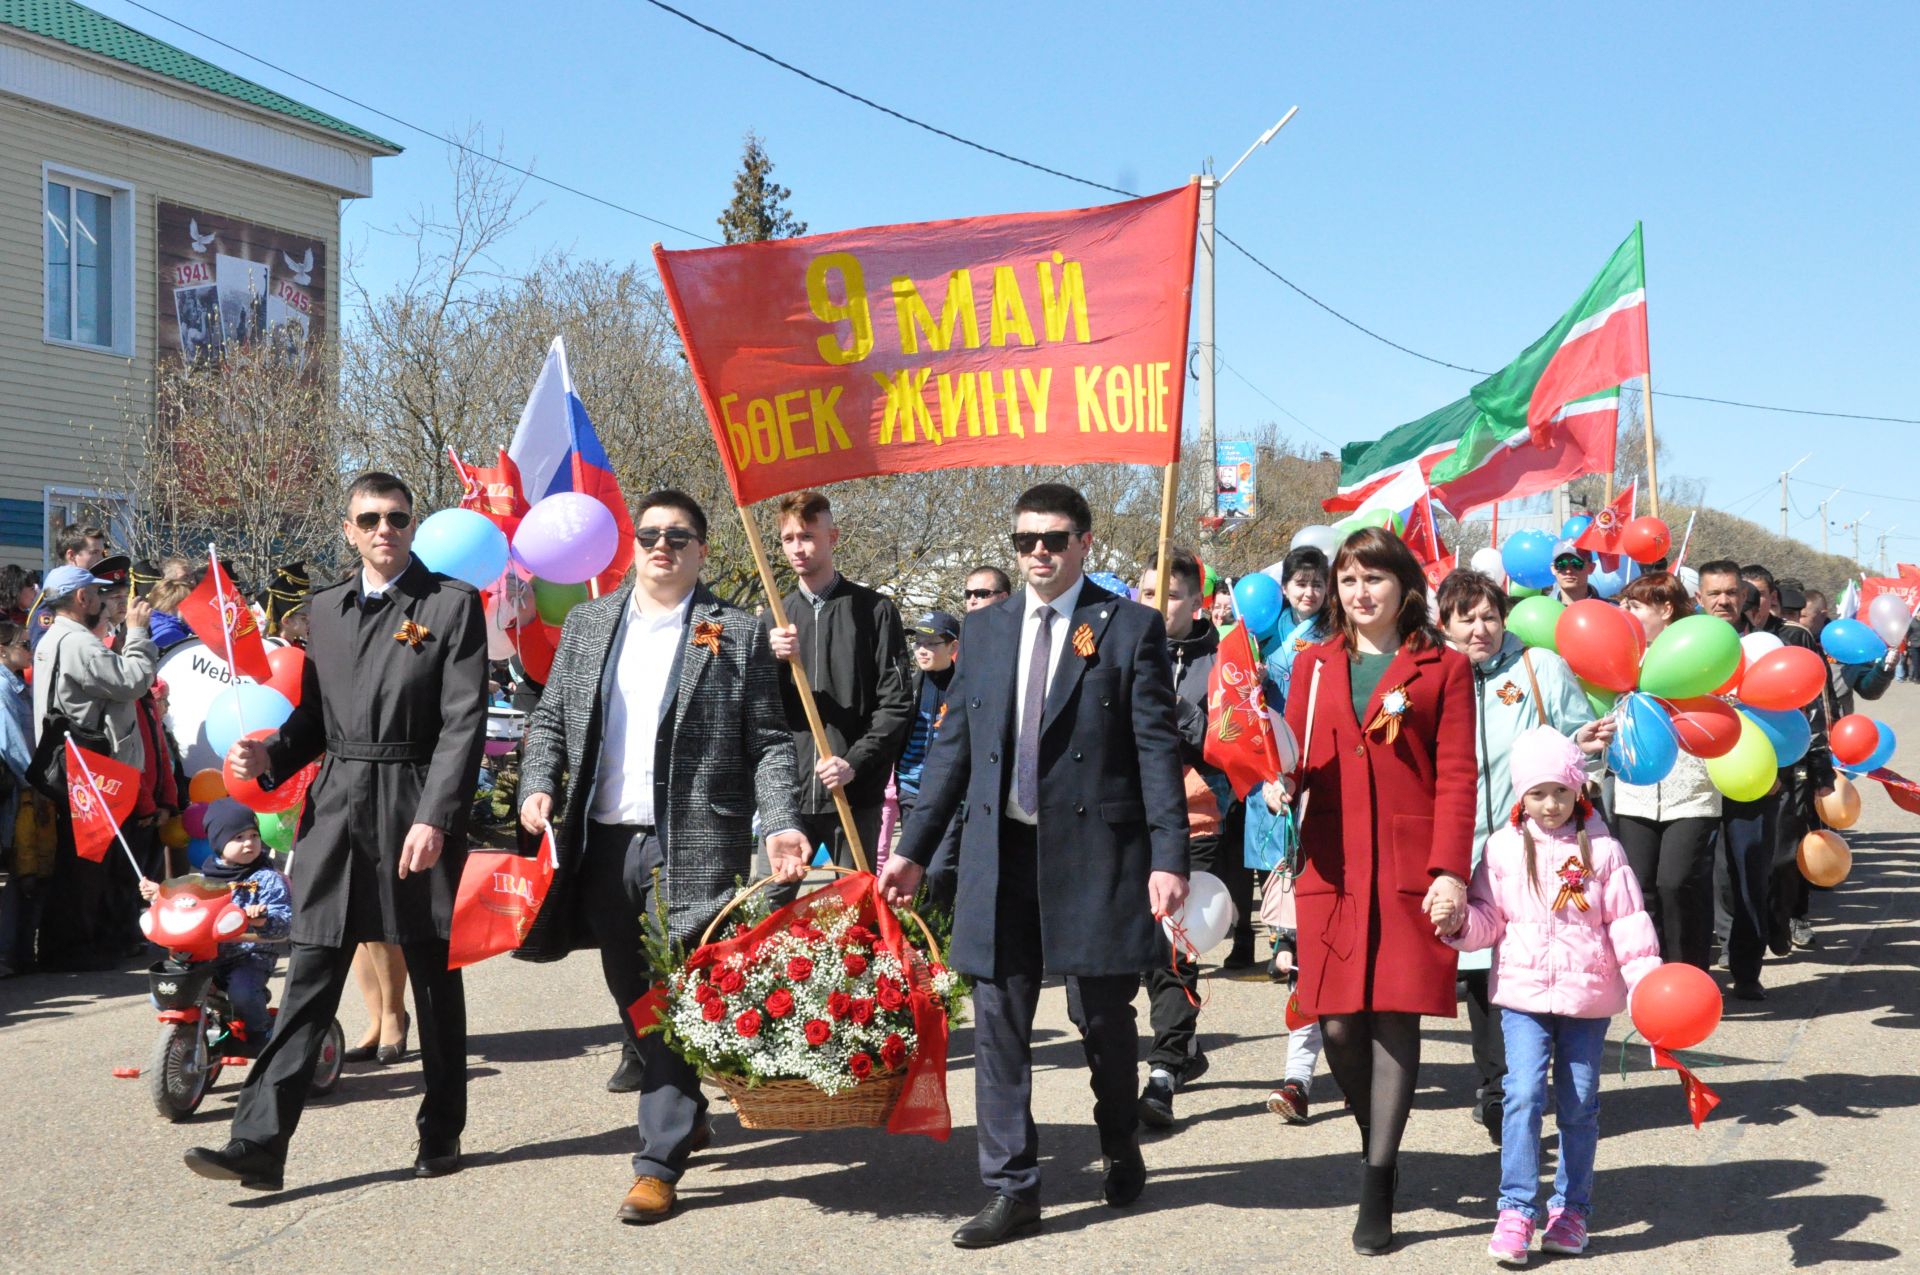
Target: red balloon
{"type": "Point", "coordinates": [1601, 643]}
{"type": "Point", "coordinates": [1676, 1007]}
{"type": "Point", "coordinates": [535, 642]}
{"type": "Point", "coordinates": [289, 665]}
{"type": "Point", "coordinates": [1787, 678]}
{"type": "Point", "coordinates": [1853, 738]}
{"type": "Point", "coordinates": [1707, 727]}
{"type": "Point", "coordinates": [257, 796]}
{"type": "Point", "coordinates": [1732, 684]}
{"type": "Point", "coordinates": [1645, 539]}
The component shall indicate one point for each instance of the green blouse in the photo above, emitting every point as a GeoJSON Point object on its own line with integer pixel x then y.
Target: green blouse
{"type": "Point", "coordinates": [1367, 672]}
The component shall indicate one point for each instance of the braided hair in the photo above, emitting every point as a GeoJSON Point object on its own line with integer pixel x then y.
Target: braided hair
{"type": "Point", "coordinates": [1582, 811]}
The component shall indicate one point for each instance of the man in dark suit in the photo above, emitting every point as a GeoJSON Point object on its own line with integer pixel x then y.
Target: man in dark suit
{"type": "Point", "coordinates": [1061, 740]}
{"type": "Point", "coordinates": [395, 699]}
{"type": "Point", "coordinates": [659, 732]}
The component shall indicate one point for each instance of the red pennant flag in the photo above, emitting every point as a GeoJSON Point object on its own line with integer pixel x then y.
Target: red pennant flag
{"type": "Point", "coordinates": [1903, 791]}
{"type": "Point", "coordinates": [1240, 738]}
{"type": "Point", "coordinates": [1701, 1099]}
{"type": "Point", "coordinates": [219, 616]}
{"type": "Point", "coordinates": [1604, 535]}
{"type": "Point", "coordinates": [1423, 537]}
{"type": "Point", "coordinates": [97, 819]}
{"type": "Point", "coordinates": [495, 492]}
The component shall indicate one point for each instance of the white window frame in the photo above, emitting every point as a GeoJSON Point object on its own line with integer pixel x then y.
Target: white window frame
{"type": "Point", "coordinates": [119, 527]}
{"type": "Point", "coordinates": [122, 195]}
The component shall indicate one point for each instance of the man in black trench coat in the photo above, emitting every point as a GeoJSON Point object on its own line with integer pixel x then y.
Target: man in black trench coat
{"type": "Point", "coordinates": [394, 703]}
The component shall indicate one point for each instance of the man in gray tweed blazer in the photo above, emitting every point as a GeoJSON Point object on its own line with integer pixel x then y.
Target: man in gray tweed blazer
{"type": "Point", "coordinates": [659, 733]}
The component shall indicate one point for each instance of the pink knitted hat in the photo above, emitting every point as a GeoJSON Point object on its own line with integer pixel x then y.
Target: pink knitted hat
{"type": "Point", "coordinates": [1542, 755]}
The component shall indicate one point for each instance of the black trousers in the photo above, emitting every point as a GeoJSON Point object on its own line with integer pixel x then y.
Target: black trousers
{"type": "Point", "coordinates": [275, 1094]}
{"type": "Point", "coordinates": [1789, 895]}
{"type": "Point", "coordinates": [1673, 860]}
{"type": "Point", "coordinates": [75, 928]}
{"type": "Point", "coordinates": [614, 898]}
{"type": "Point", "coordinates": [1003, 1008]}
{"type": "Point", "coordinates": [1489, 1040]}
{"type": "Point", "coordinates": [823, 829]}
{"type": "Point", "coordinates": [1173, 984]}
{"type": "Point", "coordinates": [1749, 832]}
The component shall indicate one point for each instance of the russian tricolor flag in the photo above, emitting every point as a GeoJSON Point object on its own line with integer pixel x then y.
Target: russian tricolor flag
{"type": "Point", "coordinates": [556, 449]}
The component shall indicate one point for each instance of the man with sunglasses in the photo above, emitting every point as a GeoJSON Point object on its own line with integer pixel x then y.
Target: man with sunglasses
{"type": "Point", "coordinates": [1061, 740]}
{"type": "Point", "coordinates": [1572, 573]}
{"type": "Point", "coordinates": [658, 735]}
{"type": "Point", "coordinates": [985, 586]}
{"type": "Point", "coordinates": [394, 701]}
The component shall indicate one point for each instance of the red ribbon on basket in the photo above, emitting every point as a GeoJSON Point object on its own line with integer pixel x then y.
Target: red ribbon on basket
{"type": "Point", "coordinates": [1701, 1099]}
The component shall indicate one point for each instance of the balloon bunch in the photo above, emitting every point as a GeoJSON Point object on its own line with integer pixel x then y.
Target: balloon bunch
{"type": "Point", "coordinates": [249, 710]}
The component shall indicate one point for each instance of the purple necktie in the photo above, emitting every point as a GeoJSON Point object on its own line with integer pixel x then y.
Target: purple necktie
{"type": "Point", "coordinates": [1026, 771]}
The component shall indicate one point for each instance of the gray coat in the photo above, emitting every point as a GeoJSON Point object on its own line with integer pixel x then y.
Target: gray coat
{"type": "Point", "coordinates": [722, 749]}
{"type": "Point", "coordinates": [96, 686]}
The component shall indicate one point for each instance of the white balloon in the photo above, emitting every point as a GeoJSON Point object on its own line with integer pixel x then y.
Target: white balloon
{"type": "Point", "coordinates": [1888, 616]}
{"type": "Point", "coordinates": [1318, 536]}
{"type": "Point", "coordinates": [1284, 739]}
{"type": "Point", "coordinates": [1208, 913]}
{"type": "Point", "coordinates": [1758, 644]}
{"type": "Point", "coordinates": [1489, 564]}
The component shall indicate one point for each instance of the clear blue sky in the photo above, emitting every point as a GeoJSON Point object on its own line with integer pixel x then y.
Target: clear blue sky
{"type": "Point", "coordinates": [1454, 177]}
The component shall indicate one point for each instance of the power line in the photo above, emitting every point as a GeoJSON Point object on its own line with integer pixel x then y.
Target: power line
{"type": "Point", "coordinates": [1855, 491]}
{"type": "Point", "coordinates": [426, 132]}
{"type": "Point", "coordinates": [1222, 362]}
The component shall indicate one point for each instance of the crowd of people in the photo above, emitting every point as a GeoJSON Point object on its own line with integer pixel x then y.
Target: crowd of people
{"type": "Point", "coordinates": [1031, 763]}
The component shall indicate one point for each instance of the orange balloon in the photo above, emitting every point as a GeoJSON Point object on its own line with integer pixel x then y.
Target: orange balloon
{"type": "Point", "coordinates": [207, 785]}
{"type": "Point", "coordinates": [1676, 1007]}
{"type": "Point", "coordinates": [1824, 857]}
{"type": "Point", "coordinates": [1787, 678]}
{"type": "Point", "coordinates": [1602, 643]}
{"type": "Point", "coordinates": [1841, 807]}
{"type": "Point", "coordinates": [1645, 540]}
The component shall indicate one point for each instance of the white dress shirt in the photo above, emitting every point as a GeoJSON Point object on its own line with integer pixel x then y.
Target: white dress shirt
{"type": "Point", "coordinates": [1062, 607]}
{"type": "Point", "coordinates": [630, 729]}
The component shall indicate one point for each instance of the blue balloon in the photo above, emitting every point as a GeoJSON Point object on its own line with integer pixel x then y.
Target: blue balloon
{"type": "Point", "coordinates": [241, 708]}
{"type": "Point", "coordinates": [1607, 583]}
{"type": "Point", "coordinates": [1644, 745]}
{"type": "Point", "coordinates": [464, 544]}
{"type": "Point", "coordinates": [1786, 728]}
{"type": "Point", "coordinates": [1259, 600]}
{"type": "Point", "coordinates": [199, 850]}
{"type": "Point", "coordinates": [1852, 642]}
{"type": "Point", "coordinates": [1882, 753]}
{"type": "Point", "coordinates": [1111, 583]}
{"type": "Point", "coordinates": [1528, 558]}
{"type": "Point", "coordinates": [1574, 527]}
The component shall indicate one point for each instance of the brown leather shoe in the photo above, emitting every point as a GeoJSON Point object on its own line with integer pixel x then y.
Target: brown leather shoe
{"type": "Point", "coordinates": [702, 1138]}
{"type": "Point", "coordinates": [650, 1200]}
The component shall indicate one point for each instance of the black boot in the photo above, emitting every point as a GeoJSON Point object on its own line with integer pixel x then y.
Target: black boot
{"type": "Point", "coordinates": [1373, 1232]}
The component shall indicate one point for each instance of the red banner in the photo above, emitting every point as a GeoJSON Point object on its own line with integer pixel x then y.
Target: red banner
{"type": "Point", "coordinates": [1034, 338]}
{"type": "Point", "coordinates": [218, 616]}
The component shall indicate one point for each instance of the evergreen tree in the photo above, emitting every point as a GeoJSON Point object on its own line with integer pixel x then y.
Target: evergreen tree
{"type": "Point", "coordinates": [759, 209]}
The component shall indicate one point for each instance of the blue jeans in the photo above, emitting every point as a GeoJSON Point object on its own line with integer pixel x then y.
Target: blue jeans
{"type": "Point", "coordinates": [1573, 1045]}
{"type": "Point", "coordinates": [246, 986]}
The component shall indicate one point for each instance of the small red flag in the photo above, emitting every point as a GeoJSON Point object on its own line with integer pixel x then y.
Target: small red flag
{"type": "Point", "coordinates": [219, 616]}
{"type": "Point", "coordinates": [1423, 537]}
{"type": "Point", "coordinates": [1603, 536]}
{"type": "Point", "coordinates": [494, 492]}
{"type": "Point", "coordinates": [1239, 734]}
{"type": "Point", "coordinates": [1701, 1099]}
{"type": "Point", "coordinates": [97, 820]}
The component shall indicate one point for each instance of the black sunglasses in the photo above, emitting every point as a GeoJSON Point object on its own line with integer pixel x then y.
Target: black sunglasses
{"type": "Point", "coordinates": [677, 538]}
{"type": "Point", "coordinates": [398, 519]}
{"type": "Point", "coordinates": [1025, 542]}
{"type": "Point", "coordinates": [931, 639]}
{"type": "Point", "coordinates": [1569, 564]}
{"type": "Point", "coordinates": [984, 593]}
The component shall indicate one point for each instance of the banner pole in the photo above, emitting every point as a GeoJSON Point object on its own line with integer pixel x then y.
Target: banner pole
{"type": "Point", "coordinates": [1646, 396]}
{"type": "Point", "coordinates": [805, 688]}
{"type": "Point", "coordinates": [1162, 570]}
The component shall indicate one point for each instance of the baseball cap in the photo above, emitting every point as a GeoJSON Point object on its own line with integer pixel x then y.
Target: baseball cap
{"type": "Point", "coordinates": [937, 624]}
{"type": "Point", "coordinates": [64, 581]}
{"type": "Point", "coordinates": [1568, 549]}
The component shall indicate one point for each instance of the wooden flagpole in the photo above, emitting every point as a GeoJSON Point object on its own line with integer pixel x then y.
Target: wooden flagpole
{"type": "Point", "coordinates": [1646, 396]}
{"type": "Point", "coordinates": [1162, 573]}
{"type": "Point", "coordinates": [805, 688]}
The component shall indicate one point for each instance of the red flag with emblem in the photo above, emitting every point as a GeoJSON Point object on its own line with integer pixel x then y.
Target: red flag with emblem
{"type": "Point", "coordinates": [1423, 537]}
{"type": "Point", "coordinates": [101, 794]}
{"type": "Point", "coordinates": [220, 617]}
{"type": "Point", "coordinates": [1604, 535]}
{"type": "Point", "coordinates": [1240, 739]}
{"type": "Point", "coordinates": [494, 491]}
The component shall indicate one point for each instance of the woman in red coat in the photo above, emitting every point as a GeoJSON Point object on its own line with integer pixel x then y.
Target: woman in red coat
{"type": "Point", "coordinates": [1386, 796]}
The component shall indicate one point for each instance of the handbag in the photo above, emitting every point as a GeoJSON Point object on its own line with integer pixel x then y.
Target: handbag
{"type": "Point", "coordinates": [500, 895]}
{"type": "Point", "coordinates": [47, 771]}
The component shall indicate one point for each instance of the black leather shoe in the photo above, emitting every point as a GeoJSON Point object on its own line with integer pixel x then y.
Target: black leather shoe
{"type": "Point", "coordinates": [1373, 1230]}
{"type": "Point", "coordinates": [1156, 1102]}
{"type": "Point", "coordinates": [1126, 1177]}
{"type": "Point", "coordinates": [255, 1168]}
{"type": "Point", "coordinates": [627, 1076]}
{"type": "Point", "coordinates": [437, 1161]}
{"type": "Point", "coordinates": [1003, 1219]}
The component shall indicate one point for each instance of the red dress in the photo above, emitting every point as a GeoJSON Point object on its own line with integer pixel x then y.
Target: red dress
{"type": "Point", "coordinates": [1384, 820]}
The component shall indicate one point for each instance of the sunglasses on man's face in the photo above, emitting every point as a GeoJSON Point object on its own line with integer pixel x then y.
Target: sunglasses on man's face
{"type": "Point", "coordinates": [677, 538]}
{"type": "Point", "coordinates": [398, 519]}
{"type": "Point", "coordinates": [1569, 564]}
{"type": "Point", "coordinates": [974, 594]}
{"type": "Point", "coordinates": [1025, 542]}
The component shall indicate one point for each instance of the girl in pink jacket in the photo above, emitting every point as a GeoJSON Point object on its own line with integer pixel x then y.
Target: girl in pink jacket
{"type": "Point", "coordinates": [1556, 901]}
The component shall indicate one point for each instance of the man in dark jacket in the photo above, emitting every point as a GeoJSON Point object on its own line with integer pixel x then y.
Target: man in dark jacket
{"type": "Point", "coordinates": [851, 643]}
{"type": "Point", "coordinates": [394, 699]}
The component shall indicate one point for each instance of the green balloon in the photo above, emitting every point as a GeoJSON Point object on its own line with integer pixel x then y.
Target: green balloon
{"type": "Point", "coordinates": [1532, 620]}
{"type": "Point", "coordinates": [1749, 770]}
{"type": "Point", "coordinates": [553, 601]}
{"type": "Point", "coordinates": [277, 832]}
{"type": "Point", "coordinates": [1693, 656]}
{"type": "Point", "coordinates": [1599, 698]}
{"type": "Point", "coordinates": [1522, 591]}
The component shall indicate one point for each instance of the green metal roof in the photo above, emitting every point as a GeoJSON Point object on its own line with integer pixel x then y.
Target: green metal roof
{"type": "Point", "coordinates": [79, 27]}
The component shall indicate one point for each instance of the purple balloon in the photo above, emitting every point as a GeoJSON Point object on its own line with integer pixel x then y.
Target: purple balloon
{"type": "Point", "coordinates": [194, 820]}
{"type": "Point", "coordinates": [568, 538]}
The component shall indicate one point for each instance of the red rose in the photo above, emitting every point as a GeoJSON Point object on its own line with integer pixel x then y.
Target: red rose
{"type": "Point", "coordinates": [856, 965]}
{"type": "Point", "coordinates": [861, 1065]}
{"type": "Point", "coordinates": [780, 1002]}
{"type": "Point", "coordinates": [799, 929]}
{"type": "Point", "coordinates": [862, 1010]}
{"type": "Point", "coordinates": [858, 936]}
{"type": "Point", "coordinates": [701, 958]}
{"type": "Point", "coordinates": [714, 1010]}
{"type": "Point", "coordinates": [818, 1029]}
{"type": "Point", "coordinates": [888, 993]}
{"type": "Point", "coordinates": [748, 1024]}
{"type": "Point", "coordinates": [731, 981]}
{"type": "Point", "coordinates": [704, 993]}
{"type": "Point", "coordinates": [893, 1052]}
{"type": "Point", "coordinates": [799, 969]}
{"type": "Point", "coordinates": [838, 1004]}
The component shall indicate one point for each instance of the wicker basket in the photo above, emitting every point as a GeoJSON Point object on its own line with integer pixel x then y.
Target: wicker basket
{"type": "Point", "coordinates": [796, 1104]}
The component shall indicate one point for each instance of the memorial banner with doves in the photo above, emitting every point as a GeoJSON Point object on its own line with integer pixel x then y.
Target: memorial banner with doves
{"type": "Point", "coordinates": [1032, 338]}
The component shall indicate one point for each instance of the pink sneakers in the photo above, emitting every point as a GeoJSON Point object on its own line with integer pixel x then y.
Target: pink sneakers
{"type": "Point", "coordinates": [1512, 1241]}
{"type": "Point", "coordinates": [1566, 1233]}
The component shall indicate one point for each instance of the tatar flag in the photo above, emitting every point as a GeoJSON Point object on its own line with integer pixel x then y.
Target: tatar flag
{"type": "Point", "coordinates": [1603, 533]}
{"type": "Point", "coordinates": [220, 617]}
{"type": "Point", "coordinates": [556, 449]}
{"type": "Point", "coordinates": [1549, 416]}
{"type": "Point", "coordinates": [101, 792]}
{"type": "Point", "coordinates": [1239, 739]}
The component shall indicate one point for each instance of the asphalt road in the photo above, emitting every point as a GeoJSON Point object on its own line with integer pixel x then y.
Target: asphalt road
{"type": "Point", "coordinates": [1805, 1165]}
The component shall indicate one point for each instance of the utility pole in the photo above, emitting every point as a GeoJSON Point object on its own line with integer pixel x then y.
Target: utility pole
{"type": "Point", "coordinates": [1824, 524]}
{"type": "Point", "coordinates": [1856, 536]}
{"type": "Point", "coordinates": [1881, 553]}
{"type": "Point", "coordinates": [1783, 491]}
{"type": "Point", "coordinates": [1203, 308]}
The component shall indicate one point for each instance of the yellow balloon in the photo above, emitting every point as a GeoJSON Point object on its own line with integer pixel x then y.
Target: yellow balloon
{"type": "Point", "coordinates": [1749, 769]}
{"type": "Point", "coordinates": [1824, 857]}
{"type": "Point", "coordinates": [173, 834]}
{"type": "Point", "coordinates": [1841, 807]}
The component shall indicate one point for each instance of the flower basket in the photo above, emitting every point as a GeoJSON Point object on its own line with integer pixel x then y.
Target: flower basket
{"type": "Point", "coordinates": [825, 1015]}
